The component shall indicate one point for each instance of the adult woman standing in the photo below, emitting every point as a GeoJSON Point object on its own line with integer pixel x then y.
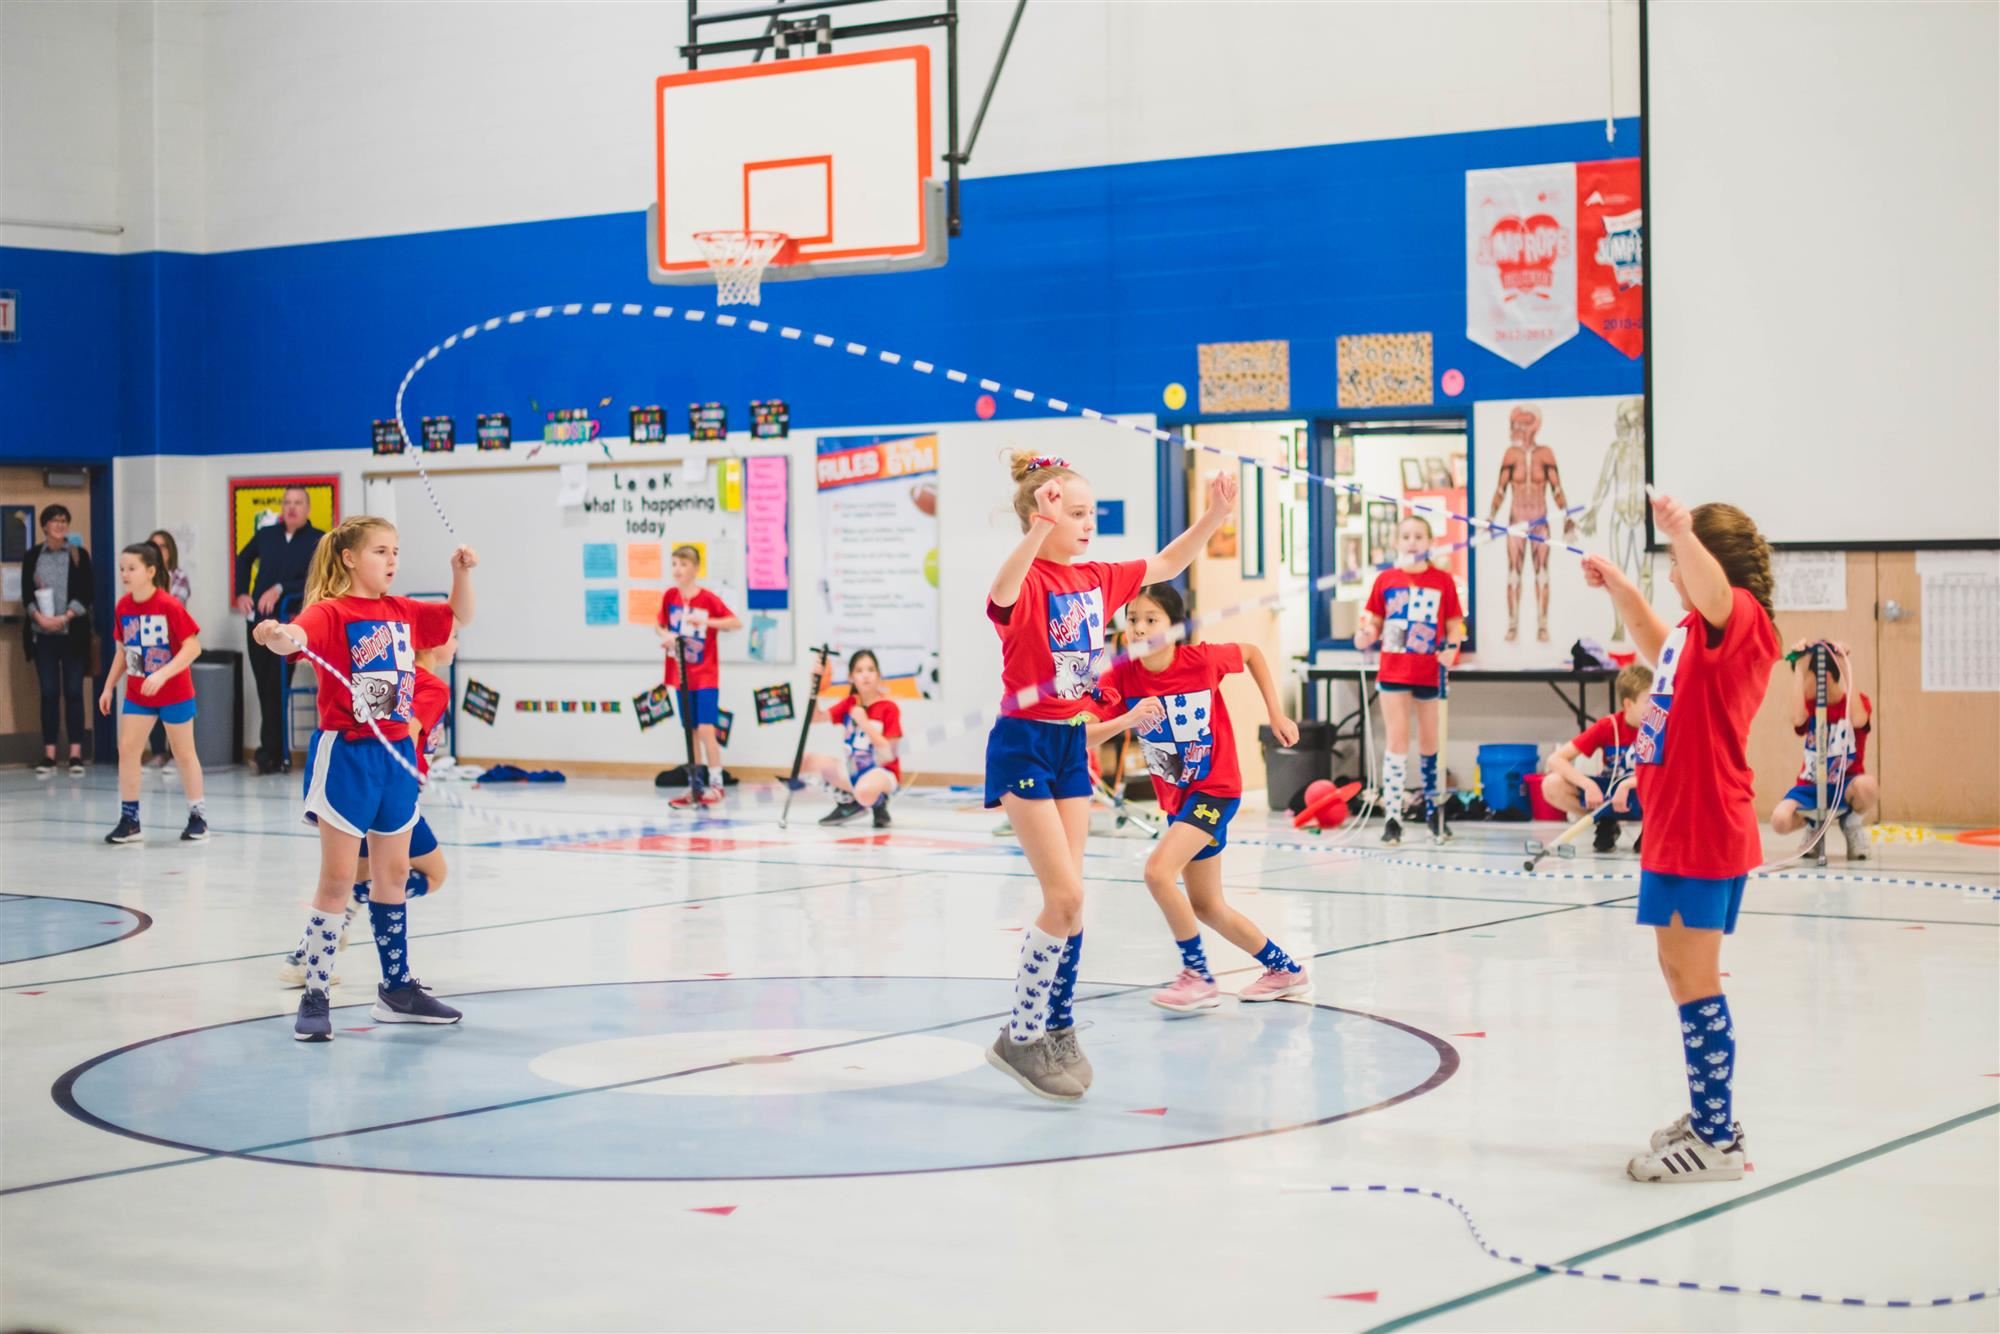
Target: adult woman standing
{"type": "Point", "coordinates": [178, 585]}
{"type": "Point", "coordinates": [55, 584]}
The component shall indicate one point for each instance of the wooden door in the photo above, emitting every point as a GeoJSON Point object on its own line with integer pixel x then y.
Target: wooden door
{"type": "Point", "coordinates": [1937, 752]}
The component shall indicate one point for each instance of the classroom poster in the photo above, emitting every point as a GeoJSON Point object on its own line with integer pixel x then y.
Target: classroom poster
{"type": "Point", "coordinates": [254, 502]}
{"type": "Point", "coordinates": [878, 517]}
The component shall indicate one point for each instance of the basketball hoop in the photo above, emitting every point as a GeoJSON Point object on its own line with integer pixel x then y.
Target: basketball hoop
{"type": "Point", "coordinates": [737, 259]}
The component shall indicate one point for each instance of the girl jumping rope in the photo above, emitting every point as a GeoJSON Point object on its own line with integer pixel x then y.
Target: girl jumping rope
{"type": "Point", "coordinates": [1175, 694]}
{"type": "Point", "coordinates": [1695, 783]}
{"type": "Point", "coordinates": [1051, 608]}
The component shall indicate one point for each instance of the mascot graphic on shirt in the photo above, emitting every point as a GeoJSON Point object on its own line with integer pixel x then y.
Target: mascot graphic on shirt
{"type": "Point", "coordinates": [1180, 749]}
{"type": "Point", "coordinates": [145, 644]}
{"type": "Point", "coordinates": [384, 670]}
{"type": "Point", "coordinates": [1411, 625]}
{"type": "Point", "coordinates": [1076, 641]}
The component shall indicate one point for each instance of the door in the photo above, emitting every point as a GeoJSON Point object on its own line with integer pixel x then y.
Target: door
{"type": "Point", "coordinates": [1937, 752]}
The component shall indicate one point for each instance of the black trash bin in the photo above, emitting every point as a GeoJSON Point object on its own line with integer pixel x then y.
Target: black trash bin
{"type": "Point", "coordinates": [218, 693]}
{"type": "Point", "coordinates": [1288, 770]}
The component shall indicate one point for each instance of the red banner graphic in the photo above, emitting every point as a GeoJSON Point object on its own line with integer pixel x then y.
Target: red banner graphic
{"type": "Point", "coordinates": [1611, 253]}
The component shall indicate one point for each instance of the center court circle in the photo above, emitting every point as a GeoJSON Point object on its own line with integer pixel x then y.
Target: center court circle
{"type": "Point", "coordinates": [751, 1077]}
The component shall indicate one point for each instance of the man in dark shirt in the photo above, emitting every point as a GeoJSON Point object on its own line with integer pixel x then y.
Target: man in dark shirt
{"type": "Point", "coordinates": [280, 554]}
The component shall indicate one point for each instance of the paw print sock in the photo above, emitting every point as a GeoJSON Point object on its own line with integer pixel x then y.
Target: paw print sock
{"type": "Point", "coordinates": [1708, 1037]}
{"type": "Point", "coordinates": [317, 946]}
{"type": "Point", "coordinates": [1194, 957]}
{"type": "Point", "coordinates": [391, 943]}
{"type": "Point", "coordinates": [417, 885]}
{"type": "Point", "coordinates": [1427, 765]}
{"type": "Point", "coordinates": [1034, 981]}
{"type": "Point", "coordinates": [1394, 768]}
{"type": "Point", "coordinates": [130, 810]}
{"type": "Point", "coordinates": [1064, 993]}
{"type": "Point", "coordinates": [1273, 957]}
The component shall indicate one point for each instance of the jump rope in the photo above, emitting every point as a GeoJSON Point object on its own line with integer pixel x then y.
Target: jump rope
{"type": "Point", "coordinates": [696, 315]}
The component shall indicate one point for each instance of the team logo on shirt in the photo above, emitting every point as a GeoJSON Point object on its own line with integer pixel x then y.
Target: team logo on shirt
{"type": "Point", "coordinates": [1076, 641]}
{"type": "Point", "coordinates": [1180, 748]}
{"type": "Point", "coordinates": [1410, 624]}
{"type": "Point", "coordinates": [860, 750]}
{"type": "Point", "coordinates": [1839, 751]}
{"type": "Point", "coordinates": [1651, 745]}
{"type": "Point", "coordinates": [145, 641]}
{"type": "Point", "coordinates": [383, 668]}
{"type": "Point", "coordinates": [691, 624]}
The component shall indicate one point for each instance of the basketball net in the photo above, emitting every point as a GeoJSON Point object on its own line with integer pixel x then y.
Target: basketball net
{"type": "Point", "coordinates": [737, 258]}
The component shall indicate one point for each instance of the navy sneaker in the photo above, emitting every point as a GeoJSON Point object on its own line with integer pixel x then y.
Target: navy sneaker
{"type": "Point", "coordinates": [411, 1005]}
{"type": "Point", "coordinates": [315, 1023]}
{"type": "Point", "coordinates": [882, 819]}
{"type": "Point", "coordinates": [196, 831]}
{"type": "Point", "coordinates": [841, 814]}
{"type": "Point", "coordinates": [128, 831]}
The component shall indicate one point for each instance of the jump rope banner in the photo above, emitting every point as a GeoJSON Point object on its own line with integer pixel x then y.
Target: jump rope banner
{"type": "Point", "coordinates": [1637, 1280]}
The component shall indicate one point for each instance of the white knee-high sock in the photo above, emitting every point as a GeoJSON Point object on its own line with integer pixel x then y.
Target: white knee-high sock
{"type": "Point", "coordinates": [1034, 980]}
{"type": "Point", "coordinates": [1394, 769]}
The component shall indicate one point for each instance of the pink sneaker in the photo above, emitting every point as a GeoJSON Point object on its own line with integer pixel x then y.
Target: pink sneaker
{"type": "Point", "coordinates": [711, 796]}
{"type": "Point", "coordinates": [1278, 984]}
{"type": "Point", "coordinates": [1189, 992]}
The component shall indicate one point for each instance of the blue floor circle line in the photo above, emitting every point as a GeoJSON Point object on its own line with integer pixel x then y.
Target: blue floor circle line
{"type": "Point", "coordinates": [767, 1078]}
{"type": "Point", "coordinates": [49, 924]}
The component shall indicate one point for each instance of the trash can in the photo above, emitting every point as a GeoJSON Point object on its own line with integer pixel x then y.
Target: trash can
{"type": "Point", "coordinates": [1502, 771]}
{"type": "Point", "coordinates": [218, 722]}
{"type": "Point", "coordinates": [1289, 770]}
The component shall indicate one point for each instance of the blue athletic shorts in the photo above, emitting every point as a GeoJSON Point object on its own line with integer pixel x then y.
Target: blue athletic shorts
{"type": "Point", "coordinates": [1710, 905]}
{"type": "Point", "coordinates": [1414, 692]}
{"type": "Point", "coordinates": [422, 840]}
{"type": "Point", "coordinates": [357, 787]}
{"type": "Point", "coordinates": [702, 709]}
{"type": "Point", "coordinates": [182, 712]}
{"type": "Point", "coordinates": [1806, 797]}
{"type": "Point", "coordinates": [1209, 814]}
{"type": "Point", "coordinates": [1037, 760]}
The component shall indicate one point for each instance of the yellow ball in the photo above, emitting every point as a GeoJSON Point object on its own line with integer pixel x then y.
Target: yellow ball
{"type": "Point", "coordinates": [1175, 396]}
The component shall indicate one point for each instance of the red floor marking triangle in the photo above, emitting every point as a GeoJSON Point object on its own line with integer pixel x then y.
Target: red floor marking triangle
{"type": "Point", "coordinates": [1912, 928]}
{"type": "Point", "coordinates": [1725, 975]}
{"type": "Point", "coordinates": [31, 993]}
{"type": "Point", "coordinates": [110, 921]}
{"type": "Point", "coordinates": [366, 1028]}
{"type": "Point", "coordinates": [1749, 1166]}
{"type": "Point", "coordinates": [715, 974]}
{"type": "Point", "coordinates": [1149, 1111]}
{"type": "Point", "coordinates": [719, 1210]}
{"type": "Point", "coordinates": [1352, 1296]}
{"type": "Point", "coordinates": [690, 907]}
{"type": "Point", "coordinates": [1480, 1034]}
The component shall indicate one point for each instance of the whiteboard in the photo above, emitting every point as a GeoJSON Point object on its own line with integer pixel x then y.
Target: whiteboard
{"type": "Point", "coordinates": [1823, 219]}
{"type": "Point", "coordinates": [537, 597]}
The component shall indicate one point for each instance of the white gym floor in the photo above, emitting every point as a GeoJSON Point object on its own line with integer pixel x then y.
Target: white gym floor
{"type": "Point", "coordinates": [718, 1076]}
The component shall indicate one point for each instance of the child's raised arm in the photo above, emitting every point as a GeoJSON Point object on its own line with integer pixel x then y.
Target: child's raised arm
{"type": "Point", "coordinates": [1006, 588]}
{"type": "Point", "coordinates": [1649, 632]}
{"type": "Point", "coordinates": [1178, 554]}
{"type": "Point", "coordinates": [1702, 575]}
{"type": "Point", "coordinates": [462, 562]}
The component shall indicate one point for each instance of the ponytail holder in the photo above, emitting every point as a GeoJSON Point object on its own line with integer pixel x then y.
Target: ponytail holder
{"type": "Point", "coordinates": [1041, 461]}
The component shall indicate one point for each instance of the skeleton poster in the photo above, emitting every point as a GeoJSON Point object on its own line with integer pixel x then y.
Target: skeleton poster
{"type": "Point", "coordinates": [1573, 469]}
{"type": "Point", "coordinates": [1520, 260]}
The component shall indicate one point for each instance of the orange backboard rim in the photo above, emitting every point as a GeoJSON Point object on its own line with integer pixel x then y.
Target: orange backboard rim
{"type": "Point", "coordinates": [920, 56]}
{"type": "Point", "coordinates": [751, 168]}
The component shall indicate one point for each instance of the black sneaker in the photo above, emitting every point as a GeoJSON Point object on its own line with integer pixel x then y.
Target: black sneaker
{"type": "Point", "coordinates": [45, 766]}
{"type": "Point", "coordinates": [1606, 837]}
{"type": "Point", "coordinates": [411, 1005]}
{"type": "Point", "coordinates": [315, 1023]}
{"type": "Point", "coordinates": [1392, 833]}
{"type": "Point", "coordinates": [1637, 841]}
{"type": "Point", "coordinates": [882, 814]}
{"type": "Point", "coordinates": [128, 831]}
{"type": "Point", "coordinates": [76, 766]}
{"type": "Point", "coordinates": [196, 831]}
{"type": "Point", "coordinates": [842, 813]}
{"type": "Point", "coordinates": [1440, 831]}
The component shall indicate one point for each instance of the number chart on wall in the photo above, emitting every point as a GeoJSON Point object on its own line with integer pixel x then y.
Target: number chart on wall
{"type": "Point", "coordinates": [574, 561]}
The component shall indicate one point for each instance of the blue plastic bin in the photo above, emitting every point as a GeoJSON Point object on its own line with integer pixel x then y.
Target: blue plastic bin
{"type": "Point", "coordinates": [1501, 769]}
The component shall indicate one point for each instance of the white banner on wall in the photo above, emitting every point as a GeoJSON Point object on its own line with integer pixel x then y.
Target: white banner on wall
{"type": "Point", "coordinates": [1520, 260]}
{"type": "Point", "coordinates": [879, 538]}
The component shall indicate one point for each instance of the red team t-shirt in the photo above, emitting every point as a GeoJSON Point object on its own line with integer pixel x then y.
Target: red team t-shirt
{"type": "Point", "coordinates": [1052, 638]}
{"type": "Point", "coordinates": [1612, 735]}
{"type": "Point", "coordinates": [861, 756]}
{"type": "Point", "coordinates": [1193, 748]}
{"type": "Point", "coordinates": [150, 633]}
{"type": "Point", "coordinates": [1414, 607]}
{"type": "Point", "coordinates": [704, 659]}
{"type": "Point", "coordinates": [430, 697]}
{"type": "Point", "coordinates": [1846, 745]}
{"type": "Point", "coordinates": [1694, 773]}
{"type": "Point", "coordinates": [374, 641]}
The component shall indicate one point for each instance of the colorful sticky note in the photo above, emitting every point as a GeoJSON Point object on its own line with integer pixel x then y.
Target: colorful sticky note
{"type": "Point", "coordinates": [642, 605]}
{"type": "Point", "coordinates": [729, 485]}
{"type": "Point", "coordinates": [600, 560]}
{"type": "Point", "coordinates": [600, 606]}
{"type": "Point", "coordinates": [642, 561]}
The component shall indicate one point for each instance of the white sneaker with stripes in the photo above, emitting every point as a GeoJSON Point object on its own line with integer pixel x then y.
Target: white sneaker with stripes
{"type": "Point", "coordinates": [1686, 1156]}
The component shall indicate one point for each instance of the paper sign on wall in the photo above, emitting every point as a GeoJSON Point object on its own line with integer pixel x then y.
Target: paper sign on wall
{"type": "Point", "coordinates": [642, 605]}
{"type": "Point", "coordinates": [481, 701]}
{"type": "Point", "coordinates": [1520, 260]}
{"type": "Point", "coordinates": [600, 606]}
{"type": "Point", "coordinates": [600, 560]}
{"type": "Point", "coordinates": [642, 561]}
{"type": "Point", "coordinates": [1808, 581]}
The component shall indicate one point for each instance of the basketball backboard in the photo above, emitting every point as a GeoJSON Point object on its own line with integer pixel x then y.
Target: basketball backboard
{"type": "Point", "coordinates": [834, 151]}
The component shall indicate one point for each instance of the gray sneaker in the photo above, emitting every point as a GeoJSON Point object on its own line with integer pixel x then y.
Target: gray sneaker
{"type": "Point", "coordinates": [411, 1005]}
{"type": "Point", "coordinates": [1856, 831]}
{"type": "Point", "coordinates": [1033, 1066]}
{"type": "Point", "coordinates": [314, 1023]}
{"type": "Point", "coordinates": [1068, 1053]}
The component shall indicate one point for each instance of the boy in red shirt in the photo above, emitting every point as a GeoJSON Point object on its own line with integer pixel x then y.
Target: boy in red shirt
{"type": "Point", "coordinates": [690, 618]}
{"type": "Point", "coordinates": [158, 641]}
{"type": "Point", "coordinates": [1701, 816]}
{"type": "Point", "coordinates": [1172, 697]}
{"type": "Point", "coordinates": [1414, 610]}
{"type": "Point", "coordinates": [1569, 789]}
{"type": "Point", "coordinates": [1848, 784]}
